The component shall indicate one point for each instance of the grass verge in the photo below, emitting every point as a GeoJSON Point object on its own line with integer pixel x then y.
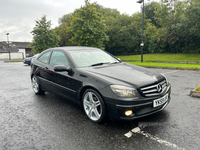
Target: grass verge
{"type": "Point", "coordinates": [13, 61]}
{"type": "Point", "coordinates": [168, 65]}
{"type": "Point", "coordinates": [163, 57]}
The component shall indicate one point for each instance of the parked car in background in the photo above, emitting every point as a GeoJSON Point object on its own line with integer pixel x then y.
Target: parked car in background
{"type": "Point", "coordinates": [100, 83]}
{"type": "Point", "coordinates": [27, 60]}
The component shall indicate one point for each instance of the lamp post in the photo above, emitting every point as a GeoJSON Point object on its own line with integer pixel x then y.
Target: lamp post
{"type": "Point", "coordinates": [8, 45]}
{"type": "Point", "coordinates": [142, 44]}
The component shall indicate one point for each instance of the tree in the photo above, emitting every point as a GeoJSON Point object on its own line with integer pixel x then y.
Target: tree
{"type": "Point", "coordinates": [191, 22]}
{"type": "Point", "coordinates": [171, 26]}
{"type": "Point", "coordinates": [43, 36]}
{"type": "Point", "coordinates": [125, 35]}
{"type": "Point", "coordinates": [149, 9]}
{"type": "Point", "coordinates": [88, 27]}
{"type": "Point", "coordinates": [63, 30]}
{"type": "Point", "coordinates": [169, 15]}
{"type": "Point", "coordinates": [124, 32]}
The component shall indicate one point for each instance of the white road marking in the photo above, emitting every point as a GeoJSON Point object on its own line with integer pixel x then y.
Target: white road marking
{"type": "Point", "coordinates": [136, 130]}
{"type": "Point", "coordinates": [129, 134]}
{"type": "Point", "coordinates": [161, 141]}
{"type": "Point", "coordinates": [170, 72]}
{"type": "Point", "coordinates": [157, 139]}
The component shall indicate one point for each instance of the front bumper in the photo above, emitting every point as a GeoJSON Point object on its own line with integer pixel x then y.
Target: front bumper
{"type": "Point", "coordinates": [140, 106]}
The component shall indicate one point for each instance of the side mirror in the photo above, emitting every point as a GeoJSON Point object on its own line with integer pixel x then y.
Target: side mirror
{"type": "Point", "coordinates": [60, 68]}
{"type": "Point", "coordinates": [119, 59]}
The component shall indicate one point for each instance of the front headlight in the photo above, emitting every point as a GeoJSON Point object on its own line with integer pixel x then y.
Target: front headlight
{"type": "Point", "coordinates": [123, 91]}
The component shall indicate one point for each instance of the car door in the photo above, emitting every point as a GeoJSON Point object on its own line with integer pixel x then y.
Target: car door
{"type": "Point", "coordinates": [42, 72]}
{"type": "Point", "coordinates": [63, 82]}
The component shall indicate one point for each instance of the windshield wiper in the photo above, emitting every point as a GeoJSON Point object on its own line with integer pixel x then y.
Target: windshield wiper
{"type": "Point", "coordinates": [99, 64]}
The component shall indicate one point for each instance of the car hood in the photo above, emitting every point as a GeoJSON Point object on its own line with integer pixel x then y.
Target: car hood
{"type": "Point", "coordinates": [124, 74]}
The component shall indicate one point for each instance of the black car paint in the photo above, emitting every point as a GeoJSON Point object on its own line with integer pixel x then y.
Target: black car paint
{"type": "Point", "coordinates": [73, 84]}
{"type": "Point", "coordinates": [123, 73]}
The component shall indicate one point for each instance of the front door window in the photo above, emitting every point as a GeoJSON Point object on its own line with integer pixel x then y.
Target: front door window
{"type": "Point", "coordinates": [58, 58]}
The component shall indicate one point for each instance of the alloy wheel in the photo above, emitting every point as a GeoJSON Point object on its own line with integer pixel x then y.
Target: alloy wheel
{"type": "Point", "coordinates": [92, 106]}
{"type": "Point", "coordinates": [35, 85]}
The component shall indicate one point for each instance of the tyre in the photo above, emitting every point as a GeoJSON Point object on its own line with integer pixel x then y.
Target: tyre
{"type": "Point", "coordinates": [35, 85]}
{"type": "Point", "coordinates": [94, 106]}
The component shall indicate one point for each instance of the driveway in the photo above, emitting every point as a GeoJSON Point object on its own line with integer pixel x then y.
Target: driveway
{"type": "Point", "coordinates": [29, 121]}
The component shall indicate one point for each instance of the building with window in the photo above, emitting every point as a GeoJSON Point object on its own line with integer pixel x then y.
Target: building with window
{"type": "Point", "coordinates": [18, 50]}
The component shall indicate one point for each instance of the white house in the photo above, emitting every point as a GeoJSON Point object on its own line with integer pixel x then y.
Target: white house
{"type": "Point", "coordinates": [18, 50]}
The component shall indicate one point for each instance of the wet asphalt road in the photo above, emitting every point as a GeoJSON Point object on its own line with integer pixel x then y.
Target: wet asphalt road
{"type": "Point", "coordinates": [29, 121]}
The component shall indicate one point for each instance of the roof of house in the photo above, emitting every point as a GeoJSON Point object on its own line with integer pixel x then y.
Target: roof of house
{"type": "Point", "coordinates": [13, 46]}
{"type": "Point", "coordinates": [21, 45]}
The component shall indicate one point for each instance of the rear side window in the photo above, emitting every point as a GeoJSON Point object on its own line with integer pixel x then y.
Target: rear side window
{"type": "Point", "coordinates": [45, 57]}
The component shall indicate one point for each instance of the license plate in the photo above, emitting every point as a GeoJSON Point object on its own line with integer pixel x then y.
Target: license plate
{"type": "Point", "coordinates": [160, 101]}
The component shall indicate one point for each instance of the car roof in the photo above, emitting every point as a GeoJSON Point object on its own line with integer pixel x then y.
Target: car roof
{"type": "Point", "coordinates": [69, 48]}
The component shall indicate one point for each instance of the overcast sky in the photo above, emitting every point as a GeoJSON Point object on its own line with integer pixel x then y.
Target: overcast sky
{"type": "Point", "coordinates": [17, 17]}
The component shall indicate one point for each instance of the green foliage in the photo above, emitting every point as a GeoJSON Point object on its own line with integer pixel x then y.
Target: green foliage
{"type": "Point", "coordinates": [149, 10]}
{"type": "Point", "coordinates": [88, 27]}
{"type": "Point", "coordinates": [63, 30]}
{"type": "Point", "coordinates": [124, 32]}
{"type": "Point", "coordinates": [178, 20]}
{"type": "Point", "coordinates": [171, 26]}
{"type": "Point", "coordinates": [191, 23]}
{"type": "Point", "coordinates": [43, 36]}
{"type": "Point", "coordinates": [198, 88]}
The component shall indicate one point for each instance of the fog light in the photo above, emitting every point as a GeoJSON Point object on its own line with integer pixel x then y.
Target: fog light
{"type": "Point", "coordinates": [128, 112]}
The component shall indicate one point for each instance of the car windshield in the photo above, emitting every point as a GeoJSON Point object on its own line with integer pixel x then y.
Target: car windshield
{"type": "Point", "coordinates": [86, 58]}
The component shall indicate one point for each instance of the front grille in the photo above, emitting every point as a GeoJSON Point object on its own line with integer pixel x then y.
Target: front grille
{"type": "Point", "coordinates": [155, 89]}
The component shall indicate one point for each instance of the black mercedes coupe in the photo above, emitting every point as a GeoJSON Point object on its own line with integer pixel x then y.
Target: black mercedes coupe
{"type": "Point", "coordinates": [100, 83]}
